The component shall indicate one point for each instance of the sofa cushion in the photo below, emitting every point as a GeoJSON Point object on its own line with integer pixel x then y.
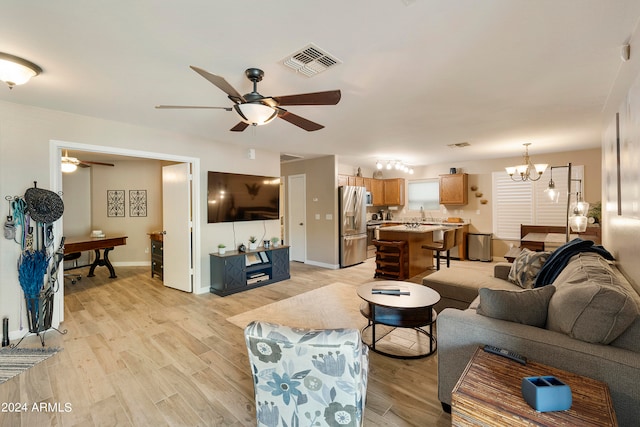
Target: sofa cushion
{"type": "Point", "coordinates": [591, 303]}
{"type": "Point", "coordinates": [462, 282]}
{"type": "Point", "coordinates": [526, 266]}
{"type": "Point", "coordinates": [527, 306]}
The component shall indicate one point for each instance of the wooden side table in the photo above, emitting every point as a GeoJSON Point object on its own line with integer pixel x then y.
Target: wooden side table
{"type": "Point", "coordinates": [488, 393]}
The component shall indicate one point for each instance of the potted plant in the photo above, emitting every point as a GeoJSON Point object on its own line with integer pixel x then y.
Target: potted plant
{"type": "Point", "coordinates": [253, 245]}
{"type": "Point", "coordinates": [222, 248]}
{"type": "Point", "coordinates": [275, 241]}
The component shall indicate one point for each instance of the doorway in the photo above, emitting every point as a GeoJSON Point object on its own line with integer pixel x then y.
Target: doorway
{"type": "Point", "coordinates": [297, 217]}
{"type": "Point", "coordinates": [55, 153]}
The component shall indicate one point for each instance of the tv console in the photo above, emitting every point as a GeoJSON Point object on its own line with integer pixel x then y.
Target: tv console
{"type": "Point", "coordinates": [236, 271]}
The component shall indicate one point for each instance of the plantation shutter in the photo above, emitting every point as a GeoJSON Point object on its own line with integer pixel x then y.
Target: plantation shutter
{"type": "Point", "coordinates": [525, 202]}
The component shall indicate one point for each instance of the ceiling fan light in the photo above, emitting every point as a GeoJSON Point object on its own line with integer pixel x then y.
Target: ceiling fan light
{"type": "Point", "coordinates": [68, 167]}
{"type": "Point", "coordinates": [255, 113]}
{"type": "Point", "coordinates": [15, 70]}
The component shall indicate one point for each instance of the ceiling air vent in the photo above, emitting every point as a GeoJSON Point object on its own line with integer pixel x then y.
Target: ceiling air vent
{"type": "Point", "coordinates": [288, 157]}
{"type": "Point", "coordinates": [310, 61]}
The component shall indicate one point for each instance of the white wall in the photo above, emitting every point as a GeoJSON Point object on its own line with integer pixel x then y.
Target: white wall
{"type": "Point", "coordinates": [25, 137]}
{"type": "Point", "coordinates": [128, 175]}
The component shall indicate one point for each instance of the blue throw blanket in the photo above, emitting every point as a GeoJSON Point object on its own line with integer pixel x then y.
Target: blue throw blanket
{"type": "Point", "coordinates": [561, 256]}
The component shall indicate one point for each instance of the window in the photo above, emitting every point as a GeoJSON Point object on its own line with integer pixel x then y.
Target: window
{"type": "Point", "coordinates": [524, 202]}
{"type": "Point", "coordinates": [424, 194]}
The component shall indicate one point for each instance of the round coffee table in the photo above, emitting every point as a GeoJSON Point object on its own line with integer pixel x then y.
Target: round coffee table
{"type": "Point", "coordinates": [411, 308]}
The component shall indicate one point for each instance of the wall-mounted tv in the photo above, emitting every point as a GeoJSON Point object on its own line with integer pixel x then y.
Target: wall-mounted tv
{"type": "Point", "coordinates": [237, 197]}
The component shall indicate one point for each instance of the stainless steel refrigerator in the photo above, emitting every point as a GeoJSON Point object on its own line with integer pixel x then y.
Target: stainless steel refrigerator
{"type": "Point", "coordinates": [353, 225]}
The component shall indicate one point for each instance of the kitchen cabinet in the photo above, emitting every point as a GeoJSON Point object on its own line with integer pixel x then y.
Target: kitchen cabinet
{"type": "Point", "coordinates": [453, 189]}
{"type": "Point", "coordinates": [356, 181]}
{"type": "Point", "coordinates": [384, 192]}
{"type": "Point", "coordinates": [377, 192]}
{"type": "Point", "coordinates": [394, 192]}
{"type": "Point", "coordinates": [239, 271]}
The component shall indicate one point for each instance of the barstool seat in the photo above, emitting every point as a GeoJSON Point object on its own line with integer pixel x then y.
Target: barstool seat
{"type": "Point", "coordinates": [448, 242]}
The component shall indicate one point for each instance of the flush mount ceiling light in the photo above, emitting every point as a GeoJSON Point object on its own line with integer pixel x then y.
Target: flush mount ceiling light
{"type": "Point", "coordinates": [15, 70]}
{"type": "Point", "coordinates": [394, 164]}
{"type": "Point", "coordinates": [527, 170]}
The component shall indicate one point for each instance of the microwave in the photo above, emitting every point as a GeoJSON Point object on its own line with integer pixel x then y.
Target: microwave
{"type": "Point", "coordinates": [368, 198]}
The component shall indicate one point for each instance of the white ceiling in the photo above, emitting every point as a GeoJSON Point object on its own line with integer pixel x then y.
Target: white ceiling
{"type": "Point", "coordinates": [416, 76]}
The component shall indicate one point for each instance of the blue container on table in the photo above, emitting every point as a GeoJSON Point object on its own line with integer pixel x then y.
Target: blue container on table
{"type": "Point", "coordinates": [546, 394]}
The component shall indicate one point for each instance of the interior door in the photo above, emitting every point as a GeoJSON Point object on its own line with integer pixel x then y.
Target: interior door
{"type": "Point", "coordinates": [297, 218]}
{"type": "Point", "coordinates": [176, 221]}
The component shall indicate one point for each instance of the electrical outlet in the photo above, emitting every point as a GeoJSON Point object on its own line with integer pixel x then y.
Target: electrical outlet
{"type": "Point", "coordinates": [146, 250]}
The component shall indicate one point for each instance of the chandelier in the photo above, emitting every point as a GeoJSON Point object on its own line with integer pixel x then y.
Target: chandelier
{"type": "Point", "coordinates": [527, 171]}
{"type": "Point", "coordinates": [394, 164]}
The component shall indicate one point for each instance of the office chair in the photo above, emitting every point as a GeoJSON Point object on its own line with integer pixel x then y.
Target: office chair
{"type": "Point", "coordinates": [74, 277]}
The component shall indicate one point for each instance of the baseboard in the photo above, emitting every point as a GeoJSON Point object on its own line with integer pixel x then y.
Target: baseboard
{"type": "Point", "coordinates": [322, 264]}
{"type": "Point", "coordinates": [131, 264]}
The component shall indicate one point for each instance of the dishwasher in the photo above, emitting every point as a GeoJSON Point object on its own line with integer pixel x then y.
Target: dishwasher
{"type": "Point", "coordinates": [372, 234]}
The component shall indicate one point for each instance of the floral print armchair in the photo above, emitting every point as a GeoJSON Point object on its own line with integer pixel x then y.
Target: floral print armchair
{"type": "Point", "coordinates": [307, 377]}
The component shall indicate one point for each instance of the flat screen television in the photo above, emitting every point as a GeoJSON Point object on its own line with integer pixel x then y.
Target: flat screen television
{"type": "Point", "coordinates": [237, 197]}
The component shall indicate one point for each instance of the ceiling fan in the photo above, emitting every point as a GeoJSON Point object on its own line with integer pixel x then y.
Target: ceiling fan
{"type": "Point", "coordinates": [70, 164]}
{"type": "Point", "coordinates": [255, 109]}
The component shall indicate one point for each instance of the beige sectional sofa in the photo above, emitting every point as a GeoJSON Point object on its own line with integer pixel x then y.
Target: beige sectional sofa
{"type": "Point", "coordinates": [590, 324]}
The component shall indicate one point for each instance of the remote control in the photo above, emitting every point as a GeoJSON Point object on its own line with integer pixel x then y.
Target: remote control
{"type": "Point", "coordinates": [390, 292]}
{"type": "Point", "coordinates": [506, 353]}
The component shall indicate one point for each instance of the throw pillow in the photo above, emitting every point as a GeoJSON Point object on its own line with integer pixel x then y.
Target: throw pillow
{"type": "Point", "coordinates": [528, 306]}
{"type": "Point", "coordinates": [526, 266]}
{"type": "Point", "coordinates": [591, 305]}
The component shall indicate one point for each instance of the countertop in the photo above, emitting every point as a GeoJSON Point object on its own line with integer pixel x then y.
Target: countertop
{"type": "Point", "coordinates": [420, 229]}
{"type": "Point", "coordinates": [423, 222]}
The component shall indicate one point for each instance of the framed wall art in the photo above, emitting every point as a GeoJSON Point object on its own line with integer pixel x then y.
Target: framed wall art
{"type": "Point", "coordinates": [137, 203]}
{"type": "Point", "coordinates": [115, 203]}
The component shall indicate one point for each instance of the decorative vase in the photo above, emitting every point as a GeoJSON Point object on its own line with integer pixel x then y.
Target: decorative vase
{"type": "Point", "coordinates": [253, 246]}
{"type": "Point", "coordinates": [222, 251]}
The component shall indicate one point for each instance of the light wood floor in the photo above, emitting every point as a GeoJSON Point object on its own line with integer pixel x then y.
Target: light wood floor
{"type": "Point", "coordinates": [139, 354]}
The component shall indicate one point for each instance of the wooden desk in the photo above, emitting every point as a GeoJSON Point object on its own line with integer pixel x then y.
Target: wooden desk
{"type": "Point", "coordinates": [489, 393]}
{"type": "Point", "coordinates": [106, 244]}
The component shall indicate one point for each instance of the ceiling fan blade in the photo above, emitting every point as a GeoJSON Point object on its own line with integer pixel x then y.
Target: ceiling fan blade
{"type": "Point", "coordinates": [87, 162]}
{"type": "Point", "coordinates": [221, 83]}
{"type": "Point", "coordinates": [239, 127]}
{"type": "Point", "coordinates": [330, 97]}
{"type": "Point", "coordinates": [301, 122]}
{"type": "Point", "coordinates": [191, 106]}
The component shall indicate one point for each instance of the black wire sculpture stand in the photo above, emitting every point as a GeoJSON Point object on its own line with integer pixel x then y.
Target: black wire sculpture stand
{"type": "Point", "coordinates": [39, 315]}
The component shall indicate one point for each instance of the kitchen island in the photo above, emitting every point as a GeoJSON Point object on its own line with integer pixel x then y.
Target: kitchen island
{"type": "Point", "coordinates": [420, 259]}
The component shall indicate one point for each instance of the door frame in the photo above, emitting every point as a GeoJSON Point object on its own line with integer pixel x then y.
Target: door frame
{"type": "Point", "coordinates": [55, 175]}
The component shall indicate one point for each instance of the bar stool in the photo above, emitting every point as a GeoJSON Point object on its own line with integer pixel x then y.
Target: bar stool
{"type": "Point", "coordinates": [448, 242]}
